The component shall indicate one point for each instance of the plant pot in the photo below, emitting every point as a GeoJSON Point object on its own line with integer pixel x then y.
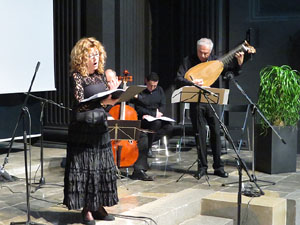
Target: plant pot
{"type": "Point", "coordinates": [272, 156]}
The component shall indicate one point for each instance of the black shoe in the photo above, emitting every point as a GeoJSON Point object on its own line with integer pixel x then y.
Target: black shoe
{"type": "Point", "coordinates": [150, 154]}
{"type": "Point", "coordinates": [221, 173]}
{"type": "Point", "coordinates": [200, 174]}
{"type": "Point", "coordinates": [98, 216]}
{"type": "Point", "coordinates": [141, 175]}
{"type": "Point", "coordinates": [85, 221]}
{"type": "Point", "coordinates": [88, 222]}
{"type": "Point", "coordinates": [102, 216]}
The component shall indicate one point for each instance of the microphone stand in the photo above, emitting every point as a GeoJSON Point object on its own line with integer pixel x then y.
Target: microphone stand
{"type": "Point", "coordinates": [240, 163]}
{"type": "Point", "coordinates": [253, 178]}
{"type": "Point", "coordinates": [42, 179]}
{"type": "Point", "coordinates": [43, 102]}
{"type": "Point", "coordinates": [21, 115]}
{"type": "Point", "coordinates": [24, 110]}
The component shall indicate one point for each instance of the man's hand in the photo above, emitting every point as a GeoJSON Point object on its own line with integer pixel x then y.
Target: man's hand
{"type": "Point", "coordinates": [198, 81]}
{"type": "Point", "coordinates": [145, 116]}
{"type": "Point", "coordinates": [158, 113]}
{"type": "Point", "coordinates": [240, 57]}
{"type": "Point", "coordinates": [110, 118]}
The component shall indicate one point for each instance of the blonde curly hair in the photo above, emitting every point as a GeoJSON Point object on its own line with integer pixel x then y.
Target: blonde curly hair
{"type": "Point", "coordinates": [80, 55]}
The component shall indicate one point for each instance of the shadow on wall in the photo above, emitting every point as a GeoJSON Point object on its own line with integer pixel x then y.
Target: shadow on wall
{"type": "Point", "coordinates": [294, 51]}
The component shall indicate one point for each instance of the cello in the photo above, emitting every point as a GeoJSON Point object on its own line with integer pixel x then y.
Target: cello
{"type": "Point", "coordinates": [128, 148]}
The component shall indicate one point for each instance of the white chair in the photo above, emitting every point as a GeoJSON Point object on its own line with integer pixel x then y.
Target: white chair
{"type": "Point", "coordinates": [186, 106]}
{"type": "Point", "coordinates": [161, 151]}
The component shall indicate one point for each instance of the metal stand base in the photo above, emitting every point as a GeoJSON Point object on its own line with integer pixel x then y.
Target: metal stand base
{"type": "Point", "coordinates": [26, 223]}
{"type": "Point", "coordinates": [197, 175]}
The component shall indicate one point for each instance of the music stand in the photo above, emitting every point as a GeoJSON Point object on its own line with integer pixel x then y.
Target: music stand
{"type": "Point", "coordinates": [195, 94]}
{"type": "Point", "coordinates": [123, 130]}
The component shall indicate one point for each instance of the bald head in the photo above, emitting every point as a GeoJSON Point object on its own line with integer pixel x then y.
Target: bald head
{"type": "Point", "coordinates": [112, 79]}
{"type": "Point", "coordinates": [110, 75]}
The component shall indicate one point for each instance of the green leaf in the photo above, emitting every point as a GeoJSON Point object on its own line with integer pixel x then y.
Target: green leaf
{"type": "Point", "coordinates": [279, 95]}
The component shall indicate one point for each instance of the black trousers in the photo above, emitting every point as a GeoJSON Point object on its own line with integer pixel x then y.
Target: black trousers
{"type": "Point", "coordinates": [145, 141]}
{"type": "Point", "coordinates": [201, 114]}
{"type": "Point", "coordinates": [161, 128]}
{"type": "Point", "coordinates": [142, 162]}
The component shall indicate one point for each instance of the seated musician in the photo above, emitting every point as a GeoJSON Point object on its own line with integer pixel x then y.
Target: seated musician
{"type": "Point", "coordinates": [112, 81]}
{"type": "Point", "coordinates": [150, 102]}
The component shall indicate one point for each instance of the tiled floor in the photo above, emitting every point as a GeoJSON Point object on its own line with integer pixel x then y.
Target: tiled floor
{"type": "Point", "coordinates": [46, 200]}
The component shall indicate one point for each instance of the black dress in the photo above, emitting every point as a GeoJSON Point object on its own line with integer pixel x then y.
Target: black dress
{"type": "Point", "coordinates": [90, 175]}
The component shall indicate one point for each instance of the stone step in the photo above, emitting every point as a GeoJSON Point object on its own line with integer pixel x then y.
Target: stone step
{"type": "Point", "coordinates": [174, 208]}
{"type": "Point", "coordinates": [265, 210]}
{"type": "Point", "coordinates": [207, 220]}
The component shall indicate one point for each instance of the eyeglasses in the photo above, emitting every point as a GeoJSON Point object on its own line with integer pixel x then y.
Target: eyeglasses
{"type": "Point", "coordinates": [93, 55]}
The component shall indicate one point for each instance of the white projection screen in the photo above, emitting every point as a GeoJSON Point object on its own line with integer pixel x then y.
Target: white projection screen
{"type": "Point", "coordinates": [26, 38]}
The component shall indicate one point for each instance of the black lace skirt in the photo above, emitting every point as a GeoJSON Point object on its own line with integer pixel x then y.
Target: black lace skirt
{"type": "Point", "coordinates": [90, 174]}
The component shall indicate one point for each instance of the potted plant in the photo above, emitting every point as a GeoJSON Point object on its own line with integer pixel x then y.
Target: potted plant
{"type": "Point", "coordinates": [279, 102]}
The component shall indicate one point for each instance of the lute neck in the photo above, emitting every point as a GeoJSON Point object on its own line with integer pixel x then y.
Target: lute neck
{"type": "Point", "coordinates": [227, 58]}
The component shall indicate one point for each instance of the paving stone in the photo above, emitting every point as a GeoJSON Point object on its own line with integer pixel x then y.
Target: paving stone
{"type": "Point", "coordinates": [46, 201]}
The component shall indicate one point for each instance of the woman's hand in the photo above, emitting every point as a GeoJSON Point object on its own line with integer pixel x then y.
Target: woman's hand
{"type": "Point", "coordinates": [114, 84]}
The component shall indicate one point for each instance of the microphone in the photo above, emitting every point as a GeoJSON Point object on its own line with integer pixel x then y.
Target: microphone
{"type": "Point", "coordinates": [229, 75]}
{"type": "Point", "coordinates": [37, 66]}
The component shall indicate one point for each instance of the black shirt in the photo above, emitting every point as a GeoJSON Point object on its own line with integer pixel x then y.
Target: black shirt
{"type": "Point", "coordinates": [148, 102]}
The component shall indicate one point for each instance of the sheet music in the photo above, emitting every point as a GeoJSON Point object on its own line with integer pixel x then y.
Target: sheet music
{"type": "Point", "coordinates": [131, 91]}
{"type": "Point", "coordinates": [124, 95]}
{"type": "Point", "coordinates": [151, 118]}
{"type": "Point", "coordinates": [116, 93]}
{"type": "Point", "coordinates": [192, 94]}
